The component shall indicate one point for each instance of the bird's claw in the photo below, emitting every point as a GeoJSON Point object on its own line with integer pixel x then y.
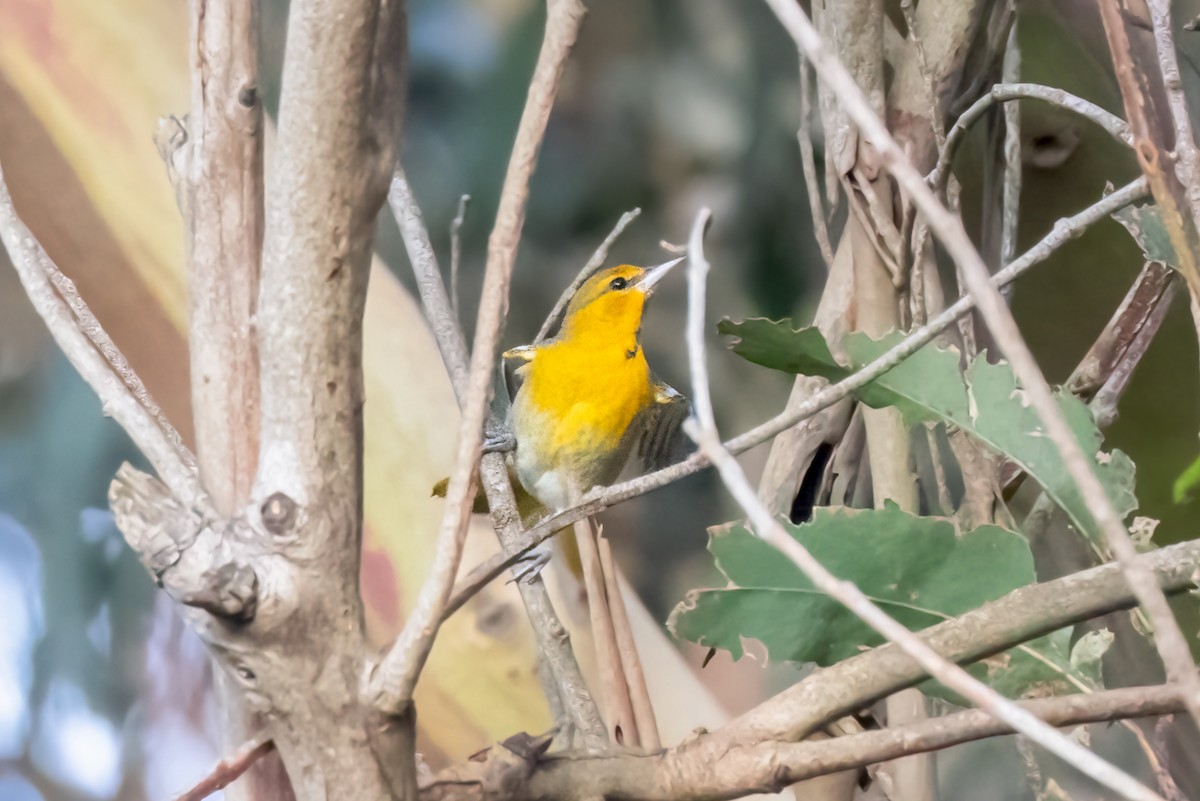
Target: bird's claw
{"type": "Point", "coordinates": [498, 441]}
{"type": "Point", "coordinates": [531, 564]}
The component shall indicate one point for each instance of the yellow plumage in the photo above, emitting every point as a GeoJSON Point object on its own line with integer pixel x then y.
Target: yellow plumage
{"type": "Point", "coordinates": [585, 397]}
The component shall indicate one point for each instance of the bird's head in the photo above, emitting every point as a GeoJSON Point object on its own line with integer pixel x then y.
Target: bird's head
{"type": "Point", "coordinates": [613, 300]}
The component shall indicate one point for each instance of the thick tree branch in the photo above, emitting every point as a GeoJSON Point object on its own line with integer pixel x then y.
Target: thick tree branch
{"type": "Point", "coordinates": [694, 771]}
{"type": "Point", "coordinates": [949, 229]}
{"type": "Point", "coordinates": [596, 501]}
{"type": "Point", "coordinates": [703, 429]}
{"type": "Point", "coordinates": [221, 175]}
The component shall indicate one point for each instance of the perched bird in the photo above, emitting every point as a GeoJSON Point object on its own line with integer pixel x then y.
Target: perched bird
{"type": "Point", "coordinates": [586, 400]}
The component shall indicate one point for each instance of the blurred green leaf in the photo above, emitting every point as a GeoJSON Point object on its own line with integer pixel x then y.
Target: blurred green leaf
{"type": "Point", "coordinates": [1186, 484]}
{"type": "Point", "coordinates": [1145, 225]}
{"type": "Point", "coordinates": [984, 401]}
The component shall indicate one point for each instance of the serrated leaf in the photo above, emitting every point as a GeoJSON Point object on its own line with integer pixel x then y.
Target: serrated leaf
{"type": "Point", "coordinates": [920, 570]}
{"type": "Point", "coordinates": [1145, 224]}
{"type": "Point", "coordinates": [984, 401]}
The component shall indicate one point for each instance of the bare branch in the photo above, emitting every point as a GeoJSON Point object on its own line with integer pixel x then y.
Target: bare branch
{"type": "Point", "coordinates": [1187, 160]}
{"type": "Point", "coordinates": [395, 678]}
{"type": "Point", "coordinates": [569, 692]}
{"type": "Point", "coordinates": [601, 498]}
{"type": "Point", "coordinates": [456, 253]}
{"type": "Point", "coordinates": [1007, 93]}
{"type": "Point", "coordinates": [227, 770]}
{"type": "Point", "coordinates": [222, 192]}
{"type": "Point", "coordinates": [97, 359]}
{"type": "Point", "coordinates": [554, 318]}
{"type": "Point", "coordinates": [703, 430]}
{"type": "Point", "coordinates": [698, 770]}
{"type": "Point", "coordinates": [1170, 640]}
{"type": "Point", "coordinates": [1011, 201]}
{"type": "Point", "coordinates": [439, 309]}
{"type": "Point", "coordinates": [808, 163]}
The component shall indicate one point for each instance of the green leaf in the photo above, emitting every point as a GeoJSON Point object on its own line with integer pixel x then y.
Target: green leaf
{"type": "Point", "coordinates": [919, 570]}
{"type": "Point", "coordinates": [984, 401]}
{"type": "Point", "coordinates": [1187, 482]}
{"type": "Point", "coordinates": [1145, 225]}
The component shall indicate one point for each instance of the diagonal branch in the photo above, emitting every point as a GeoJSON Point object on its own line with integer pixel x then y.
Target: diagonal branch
{"type": "Point", "coordinates": [1169, 638]}
{"type": "Point", "coordinates": [703, 429]}
{"type": "Point", "coordinates": [97, 359]}
{"type": "Point", "coordinates": [553, 642]}
{"type": "Point", "coordinates": [395, 678]}
{"type": "Point", "coordinates": [1063, 231]}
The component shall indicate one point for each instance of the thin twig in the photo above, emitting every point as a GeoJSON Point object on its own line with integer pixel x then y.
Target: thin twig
{"type": "Point", "coordinates": [439, 309]}
{"type": "Point", "coordinates": [1011, 200]}
{"type": "Point", "coordinates": [808, 163]}
{"type": "Point", "coordinates": [456, 254]}
{"type": "Point", "coordinates": [1006, 93]}
{"type": "Point", "coordinates": [396, 676]}
{"type": "Point", "coordinates": [631, 663]}
{"type": "Point", "coordinates": [594, 263]}
{"type": "Point", "coordinates": [1171, 643]}
{"type": "Point", "coordinates": [227, 770]}
{"type": "Point", "coordinates": [91, 351]}
{"type": "Point", "coordinates": [601, 498]}
{"type": "Point", "coordinates": [702, 428]}
{"type": "Point", "coordinates": [1187, 160]}
{"type": "Point", "coordinates": [567, 692]}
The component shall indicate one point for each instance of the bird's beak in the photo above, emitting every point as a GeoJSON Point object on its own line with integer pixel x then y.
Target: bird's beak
{"type": "Point", "coordinates": [656, 274]}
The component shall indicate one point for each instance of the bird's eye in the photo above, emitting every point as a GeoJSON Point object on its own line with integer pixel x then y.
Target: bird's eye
{"type": "Point", "coordinates": [618, 283]}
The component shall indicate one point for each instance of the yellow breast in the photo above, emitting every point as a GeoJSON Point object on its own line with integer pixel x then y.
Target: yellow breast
{"type": "Point", "coordinates": [572, 412]}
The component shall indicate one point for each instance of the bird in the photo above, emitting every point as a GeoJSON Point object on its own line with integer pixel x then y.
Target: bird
{"type": "Point", "coordinates": [581, 405]}
{"type": "Point", "coordinates": [586, 400]}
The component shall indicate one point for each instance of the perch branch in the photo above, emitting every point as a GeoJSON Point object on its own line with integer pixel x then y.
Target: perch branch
{"type": "Point", "coordinates": [554, 318]}
{"type": "Point", "coordinates": [703, 429]}
{"type": "Point", "coordinates": [1063, 231]}
{"type": "Point", "coordinates": [396, 676]}
{"type": "Point", "coordinates": [696, 770]}
{"type": "Point", "coordinates": [553, 641]}
{"type": "Point", "coordinates": [92, 353]}
{"type": "Point", "coordinates": [1169, 639]}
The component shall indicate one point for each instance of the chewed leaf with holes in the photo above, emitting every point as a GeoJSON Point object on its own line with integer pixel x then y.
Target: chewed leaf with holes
{"type": "Point", "coordinates": [919, 570]}
{"type": "Point", "coordinates": [1145, 224]}
{"type": "Point", "coordinates": [984, 401]}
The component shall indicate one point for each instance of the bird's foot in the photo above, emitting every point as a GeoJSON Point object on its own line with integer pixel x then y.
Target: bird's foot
{"type": "Point", "coordinates": [531, 564]}
{"type": "Point", "coordinates": [498, 441]}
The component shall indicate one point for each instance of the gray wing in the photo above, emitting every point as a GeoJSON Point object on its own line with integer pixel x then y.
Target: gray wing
{"type": "Point", "coordinates": [658, 429]}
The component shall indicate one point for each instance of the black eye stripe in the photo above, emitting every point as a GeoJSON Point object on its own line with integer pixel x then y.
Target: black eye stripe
{"type": "Point", "coordinates": [618, 283]}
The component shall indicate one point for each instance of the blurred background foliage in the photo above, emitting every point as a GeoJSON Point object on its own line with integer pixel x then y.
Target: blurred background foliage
{"type": "Point", "coordinates": [666, 105]}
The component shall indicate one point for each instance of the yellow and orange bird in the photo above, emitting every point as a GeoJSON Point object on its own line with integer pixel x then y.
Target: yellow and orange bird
{"type": "Point", "coordinates": [585, 401]}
